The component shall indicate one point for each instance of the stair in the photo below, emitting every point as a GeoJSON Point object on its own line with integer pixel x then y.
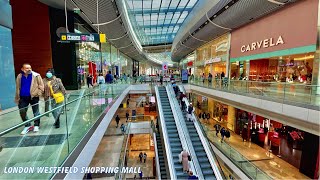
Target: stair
{"type": "Point", "coordinates": [173, 137]}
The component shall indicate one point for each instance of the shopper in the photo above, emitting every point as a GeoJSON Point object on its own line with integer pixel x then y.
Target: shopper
{"type": "Point", "coordinates": [29, 86]}
{"type": "Point", "coordinates": [210, 78]}
{"type": "Point", "coordinates": [101, 79]}
{"type": "Point", "coordinates": [223, 133]}
{"type": "Point", "coordinates": [190, 111]}
{"type": "Point", "coordinates": [161, 79]}
{"type": "Point", "coordinates": [141, 156]}
{"type": "Point", "coordinates": [54, 92]}
{"type": "Point", "coordinates": [191, 176]}
{"type": "Point", "coordinates": [89, 80]}
{"type": "Point", "coordinates": [144, 157]}
{"type": "Point", "coordinates": [217, 127]}
{"type": "Point", "coordinates": [109, 78]}
{"type": "Point", "coordinates": [227, 133]}
{"type": "Point", "coordinates": [184, 159]}
{"type": "Point", "coordinates": [203, 116]}
{"type": "Point", "coordinates": [123, 128]}
{"type": "Point", "coordinates": [183, 105]}
{"type": "Point", "coordinates": [117, 120]}
{"type": "Point", "coordinates": [127, 116]}
{"type": "Point", "coordinates": [208, 116]}
{"type": "Point", "coordinates": [203, 77]}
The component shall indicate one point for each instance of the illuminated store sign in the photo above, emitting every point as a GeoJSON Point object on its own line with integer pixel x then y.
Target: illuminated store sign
{"type": "Point", "coordinates": [262, 44]}
{"type": "Point", "coordinates": [217, 59]}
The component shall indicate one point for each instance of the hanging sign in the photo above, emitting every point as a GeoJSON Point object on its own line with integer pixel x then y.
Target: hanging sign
{"type": "Point", "coordinates": [77, 37]}
{"type": "Point", "coordinates": [164, 66]}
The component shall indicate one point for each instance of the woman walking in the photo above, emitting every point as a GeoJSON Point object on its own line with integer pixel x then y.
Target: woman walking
{"type": "Point", "coordinates": [54, 92]}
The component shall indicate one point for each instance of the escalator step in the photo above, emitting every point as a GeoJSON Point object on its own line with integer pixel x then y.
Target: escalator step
{"type": "Point", "coordinates": [205, 166]}
{"type": "Point", "coordinates": [210, 177]}
{"type": "Point", "coordinates": [203, 159]}
{"type": "Point", "coordinates": [207, 172]}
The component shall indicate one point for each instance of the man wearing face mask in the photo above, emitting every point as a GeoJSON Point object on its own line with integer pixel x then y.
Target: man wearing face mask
{"type": "Point", "coordinates": [52, 84]}
{"type": "Point", "coordinates": [29, 87]}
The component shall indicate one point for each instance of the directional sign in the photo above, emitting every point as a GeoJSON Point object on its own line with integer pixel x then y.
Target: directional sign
{"type": "Point", "coordinates": [77, 37]}
{"type": "Point", "coordinates": [164, 66]}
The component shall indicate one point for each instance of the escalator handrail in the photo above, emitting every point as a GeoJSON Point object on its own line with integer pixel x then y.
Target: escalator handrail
{"type": "Point", "coordinates": [157, 156]}
{"type": "Point", "coordinates": [165, 137]}
{"type": "Point", "coordinates": [183, 132]}
{"type": "Point", "coordinates": [204, 142]}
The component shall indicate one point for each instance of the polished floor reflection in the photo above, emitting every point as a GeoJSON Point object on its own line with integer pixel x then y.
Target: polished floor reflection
{"type": "Point", "coordinates": [274, 166]}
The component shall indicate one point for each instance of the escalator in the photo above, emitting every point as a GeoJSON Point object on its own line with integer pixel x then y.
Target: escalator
{"type": "Point", "coordinates": [163, 173]}
{"type": "Point", "coordinates": [172, 133]}
{"type": "Point", "coordinates": [200, 151]}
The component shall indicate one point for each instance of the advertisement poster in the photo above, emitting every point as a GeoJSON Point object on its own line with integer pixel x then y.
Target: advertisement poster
{"type": "Point", "coordinates": [184, 73]}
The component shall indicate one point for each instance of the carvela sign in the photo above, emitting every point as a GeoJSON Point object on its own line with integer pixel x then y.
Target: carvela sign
{"type": "Point", "coordinates": [262, 44]}
{"type": "Point", "coordinates": [76, 37]}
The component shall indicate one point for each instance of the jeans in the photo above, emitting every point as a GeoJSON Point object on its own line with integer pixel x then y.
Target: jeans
{"type": "Point", "coordinates": [23, 108]}
{"type": "Point", "coordinates": [56, 113]}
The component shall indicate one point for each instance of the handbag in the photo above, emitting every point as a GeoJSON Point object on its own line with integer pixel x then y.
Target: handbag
{"type": "Point", "coordinates": [58, 97]}
{"type": "Point", "coordinates": [189, 158]}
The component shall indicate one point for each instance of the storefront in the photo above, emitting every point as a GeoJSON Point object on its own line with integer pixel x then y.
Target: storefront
{"type": "Point", "coordinates": [281, 53]}
{"type": "Point", "coordinates": [212, 57]}
{"type": "Point", "coordinates": [288, 143]}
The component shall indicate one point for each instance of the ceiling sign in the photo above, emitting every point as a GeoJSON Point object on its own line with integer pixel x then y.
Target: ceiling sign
{"type": "Point", "coordinates": [77, 37]}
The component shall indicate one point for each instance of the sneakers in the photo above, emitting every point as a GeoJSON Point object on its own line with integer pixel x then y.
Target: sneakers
{"type": "Point", "coordinates": [36, 129]}
{"type": "Point", "coordinates": [25, 130]}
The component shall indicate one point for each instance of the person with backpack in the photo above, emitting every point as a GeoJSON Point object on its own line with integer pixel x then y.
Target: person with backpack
{"type": "Point", "coordinates": [190, 111]}
{"type": "Point", "coordinates": [123, 128]}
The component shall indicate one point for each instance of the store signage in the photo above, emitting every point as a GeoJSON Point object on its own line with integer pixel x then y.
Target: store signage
{"type": "Point", "coordinates": [217, 59]}
{"type": "Point", "coordinates": [164, 66]}
{"type": "Point", "coordinates": [262, 44]}
{"type": "Point", "coordinates": [77, 37]}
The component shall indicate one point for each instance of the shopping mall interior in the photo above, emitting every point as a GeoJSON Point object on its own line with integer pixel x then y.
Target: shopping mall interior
{"type": "Point", "coordinates": [160, 89]}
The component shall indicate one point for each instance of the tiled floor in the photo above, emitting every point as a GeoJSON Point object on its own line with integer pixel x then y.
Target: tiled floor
{"type": "Point", "coordinates": [269, 163]}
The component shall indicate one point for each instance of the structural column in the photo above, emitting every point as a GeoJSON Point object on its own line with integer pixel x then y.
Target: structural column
{"type": "Point", "coordinates": [231, 118]}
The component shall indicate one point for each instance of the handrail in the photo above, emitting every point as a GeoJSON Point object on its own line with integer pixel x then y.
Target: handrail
{"type": "Point", "coordinates": [182, 131]}
{"type": "Point", "coordinates": [204, 141]}
{"type": "Point", "coordinates": [157, 156]}
{"type": "Point", "coordinates": [165, 137]}
{"type": "Point", "coordinates": [121, 163]}
{"type": "Point", "coordinates": [44, 114]}
{"type": "Point", "coordinates": [283, 90]}
{"type": "Point", "coordinates": [65, 103]}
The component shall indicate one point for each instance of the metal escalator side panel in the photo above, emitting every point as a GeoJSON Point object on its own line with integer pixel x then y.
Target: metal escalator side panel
{"type": "Point", "coordinates": [165, 137]}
